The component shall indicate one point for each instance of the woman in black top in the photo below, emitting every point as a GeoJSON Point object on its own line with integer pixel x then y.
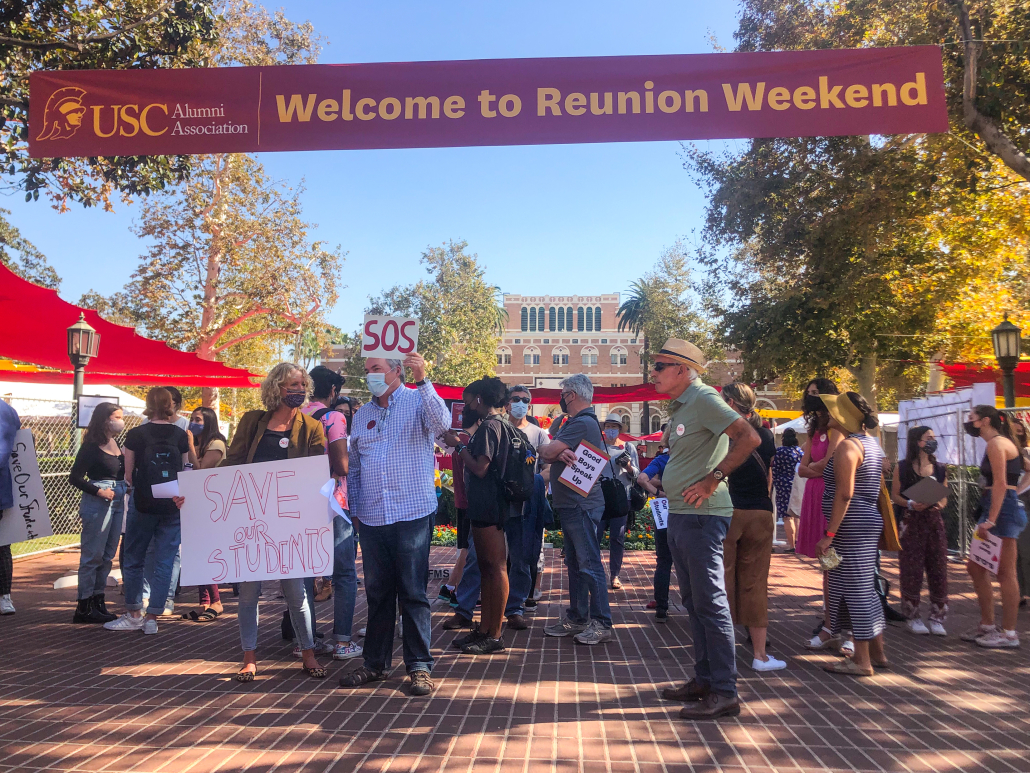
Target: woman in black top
{"type": "Point", "coordinates": [747, 549]}
{"type": "Point", "coordinates": [99, 473]}
{"type": "Point", "coordinates": [487, 507]}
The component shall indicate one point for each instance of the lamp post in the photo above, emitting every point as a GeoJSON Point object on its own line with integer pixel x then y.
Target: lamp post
{"type": "Point", "coordinates": [83, 344]}
{"type": "Point", "coordinates": [1006, 351]}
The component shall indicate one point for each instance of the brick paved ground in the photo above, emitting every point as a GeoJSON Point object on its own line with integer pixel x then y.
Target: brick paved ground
{"type": "Point", "coordinates": [80, 698]}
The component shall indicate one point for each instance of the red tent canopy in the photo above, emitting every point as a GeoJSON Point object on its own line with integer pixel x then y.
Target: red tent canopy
{"type": "Point", "coordinates": [635, 393]}
{"type": "Point", "coordinates": [965, 375]}
{"type": "Point", "coordinates": [33, 328]}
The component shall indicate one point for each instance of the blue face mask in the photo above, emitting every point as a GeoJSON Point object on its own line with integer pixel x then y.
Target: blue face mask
{"type": "Point", "coordinates": [519, 410]}
{"type": "Point", "coordinates": [196, 428]}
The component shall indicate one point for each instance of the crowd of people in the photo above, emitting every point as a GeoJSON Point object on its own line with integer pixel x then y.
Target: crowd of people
{"type": "Point", "coordinates": [719, 469]}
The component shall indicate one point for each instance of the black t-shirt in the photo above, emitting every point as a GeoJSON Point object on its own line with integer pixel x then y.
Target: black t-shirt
{"type": "Point", "coordinates": [92, 463]}
{"type": "Point", "coordinates": [486, 503]}
{"type": "Point", "coordinates": [270, 447]}
{"type": "Point", "coordinates": [172, 440]}
{"type": "Point", "coordinates": [749, 483]}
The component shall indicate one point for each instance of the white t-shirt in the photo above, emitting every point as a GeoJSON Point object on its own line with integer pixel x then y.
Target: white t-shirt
{"type": "Point", "coordinates": [537, 436]}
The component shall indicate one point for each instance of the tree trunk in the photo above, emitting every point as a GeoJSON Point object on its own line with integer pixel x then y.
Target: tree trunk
{"type": "Point", "coordinates": [865, 375]}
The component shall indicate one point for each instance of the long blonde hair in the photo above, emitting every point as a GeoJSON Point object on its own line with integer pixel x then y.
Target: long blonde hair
{"type": "Point", "coordinates": [744, 397]}
{"type": "Point", "coordinates": [271, 387]}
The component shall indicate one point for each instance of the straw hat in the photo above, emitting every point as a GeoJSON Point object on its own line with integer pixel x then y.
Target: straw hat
{"type": "Point", "coordinates": [681, 352]}
{"type": "Point", "coordinates": [844, 411]}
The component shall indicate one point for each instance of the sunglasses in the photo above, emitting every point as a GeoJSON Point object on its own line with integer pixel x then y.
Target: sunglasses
{"type": "Point", "coordinates": [525, 400]}
{"type": "Point", "coordinates": [658, 367]}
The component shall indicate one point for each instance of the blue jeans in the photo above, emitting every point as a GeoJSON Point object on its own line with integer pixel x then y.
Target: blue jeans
{"type": "Point", "coordinates": [101, 530]}
{"type": "Point", "coordinates": [695, 542]}
{"type": "Point", "coordinates": [296, 603]}
{"type": "Point", "coordinates": [662, 570]}
{"type": "Point", "coordinates": [395, 558]}
{"type": "Point", "coordinates": [141, 528]}
{"type": "Point", "coordinates": [345, 578]}
{"type": "Point", "coordinates": [588, 586]}
{"type": "Point", "coordinates": [520, 579]}
{"type": "Point", "coordinates": [148, 576]}
{"type": "Point", "coordinates": [616, 542]}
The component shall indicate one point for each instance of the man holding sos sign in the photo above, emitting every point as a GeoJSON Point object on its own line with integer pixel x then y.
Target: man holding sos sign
{"type": "Point", "coordinates": [388, 336]}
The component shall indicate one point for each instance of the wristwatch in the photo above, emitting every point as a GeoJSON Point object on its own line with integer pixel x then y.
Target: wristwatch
{"type": "Point", "coordinates": [422, 382]}
{"type": "Point", "coordinates": [718, 474]}
{"type": "Point", "coordinates": [459, 448]}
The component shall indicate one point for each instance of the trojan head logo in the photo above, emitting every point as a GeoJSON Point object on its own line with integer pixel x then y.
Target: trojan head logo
{"type": "Point", "coordinates": [63, 114]}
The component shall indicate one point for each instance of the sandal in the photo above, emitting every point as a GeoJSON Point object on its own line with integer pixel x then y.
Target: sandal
{"type": "Point", "coordinates": [883, 665]}
{"type": "Point", "coordinates": [315, 673]}
{"type": "Point", "coordinates": [207, 616]}
{"type": "Point", "coordinates": [616, 583]}
{"type": "Point", "coordinates": [818, 643]}
{"type": "Point", "coordinates": [245, 676]}
{"type": "Point", "coordinates": [847, 667]}
{"type": "Point", "coordinates": [191, 615]}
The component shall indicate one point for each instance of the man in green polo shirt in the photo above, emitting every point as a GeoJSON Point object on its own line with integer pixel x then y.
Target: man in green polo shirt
{"type": "Point", "coordinates": [707, 441]}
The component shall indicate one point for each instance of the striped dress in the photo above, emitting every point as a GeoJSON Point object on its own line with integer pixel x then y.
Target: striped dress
{"type": "Point", "coordinates": [851, 590]}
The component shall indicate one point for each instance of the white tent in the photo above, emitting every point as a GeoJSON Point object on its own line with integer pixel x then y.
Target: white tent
{"type": "Point", "coordinates": [56, 399]}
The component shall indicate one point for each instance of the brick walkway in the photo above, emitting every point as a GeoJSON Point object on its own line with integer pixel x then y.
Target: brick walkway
{"type": "Point", "coordinates": [80, 698]}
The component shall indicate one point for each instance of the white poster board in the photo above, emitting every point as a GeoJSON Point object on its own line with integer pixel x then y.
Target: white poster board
{"type": "Point", "coordinates": [581, 476]}
{"type": "Point", "coordinates": [264, 521]}
{"type": "Point", "coordinates": [86, 405]}
{"type": "Point", "coordinates": [944, 413]}
{"type": "Point", "coordinates": [660, 511]}
{"type": "Point", "coordinates": [389, 337]}
{"type": "Point", "coordinates": [30, 516]}
{"type": "Point", "coordinates": [986, 552]}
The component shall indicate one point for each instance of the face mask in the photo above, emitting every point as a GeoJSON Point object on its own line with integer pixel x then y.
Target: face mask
{"type": "Point", "coordinates": [468, 418]}
{"type": "Point", "coordinates": [971, 429]}
{"type": "Point", "coordinates": [377, 384]}
{"type": "Point", "coordinates": [563, 405]}
{"type": "Point", "coordinates": [811, 404]}
{"type": "Point", "coordinates": [519, 410]}
{"type": "Point", "coordinates": [294, 399]}
{"type": "Point", "coordinates": [196, 428]}
{"type": "Point", "coordinates": [612, 435]}
{"type": "Point", "coordinates": [116, 426]}
{"type": "Point", "coordinates": [930, 446]}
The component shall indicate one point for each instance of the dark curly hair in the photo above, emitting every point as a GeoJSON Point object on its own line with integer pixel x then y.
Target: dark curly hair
{"type": "Point", "coordinates": [491, 390]}
{"type": "Point", "coordinates": [869, 420]}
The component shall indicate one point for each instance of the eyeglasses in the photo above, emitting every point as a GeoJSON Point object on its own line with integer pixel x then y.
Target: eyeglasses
{"type": "Point", "coordinates": [566, 395]}
{"type": "Point", "coordinates": [658, 367]}
{"type": "Point", "coordinates": [525, 400]}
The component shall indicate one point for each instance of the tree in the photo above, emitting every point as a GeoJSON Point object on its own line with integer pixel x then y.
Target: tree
{"type": "Point", "coordinates": [114, 34]}
{"type": "Point", "coordinates": [460, 315]}
{"type": "Point", "coordinates": [19, 255]}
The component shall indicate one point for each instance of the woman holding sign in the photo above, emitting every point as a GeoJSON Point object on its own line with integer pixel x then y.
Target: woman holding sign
{"type": "Point", "coordinates": [1002, 516]}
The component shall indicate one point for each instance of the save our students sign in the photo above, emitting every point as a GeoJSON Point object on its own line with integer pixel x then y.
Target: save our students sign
{"type": "Point", "coordinates": [487, 102]}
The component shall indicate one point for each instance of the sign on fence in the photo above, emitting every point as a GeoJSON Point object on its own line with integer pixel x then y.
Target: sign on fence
{"type": "Point", "coordinates": [30, 516]}
{"type": "Point", "coordinates": [87, 404]}
{"type": "Point", "coordinates": [264, 521]}
{"type": "Point", "coordinates": [391, 337]}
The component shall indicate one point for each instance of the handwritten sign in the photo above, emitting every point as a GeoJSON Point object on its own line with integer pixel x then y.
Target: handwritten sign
{"type": "Point", "coordinates": [581, 476]}
{"type": "Point", "coordinates": [390, 337]}
{"type": "Point", "coordinates": [30, 516]}
{"type": "Point", "coordinates": [986, 552]}
{"type": "Point", "coordinates": [264, 521]}
{"type": "Point", "coordinates": [660, 511]}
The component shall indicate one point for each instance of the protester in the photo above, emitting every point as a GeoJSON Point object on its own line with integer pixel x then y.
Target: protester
{"type": "Point", "coordinates": [327, 385]}
{"type": "Point", "coordinates": [651, 481]}
{"type": "Point", "coordinates": [10, 423]}
{"type": "Point", "coordinates": [488, 510]}
{"type": "Point", "coordinates": [1022, 438]}
{"type": "Point", "coordinates": [588, 618]}
{"type": "Point", "coordinates": [210, 447]}
{"type": "Point", "coordinates": [924, 540]}
{"type": "Point", "coordinates": [99, 473]}
{"type": "Point", "coordinates": [1002, 515]}
{"type": "Point", "coordinates": [701, 455]}
{"type": "Point", "coordinates": [624, 466]}
{"type": "Point", "coordinates": [391, 492]}
{"type": "Point", "coordinates": [155, 452]}
{"type": "Point", "coordinates": [853, 477]}
{"type": "Point", "coordinates": [448, 591]}
{"type": "Point", "coordinates": [784, 466]}
{"type": "Point", "coordinates": [748, 545]}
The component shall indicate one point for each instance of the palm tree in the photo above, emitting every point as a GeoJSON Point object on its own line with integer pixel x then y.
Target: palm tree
{"type": "Point", "coordinates": [634, 314]}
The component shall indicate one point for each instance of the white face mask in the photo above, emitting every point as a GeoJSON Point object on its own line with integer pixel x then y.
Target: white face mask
{"type": "Point", "coordinates": [519, 410]}
{"type": "Point", "coordinates": [115, 426]}
{"type": "Point", "coordinates": [377, 383]}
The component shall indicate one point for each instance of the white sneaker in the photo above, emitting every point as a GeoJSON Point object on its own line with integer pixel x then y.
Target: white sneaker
{"type": "Point", "coordinates": [537, 594]}
{"type": "Point", "coordinates": [125, 623]}
{"type": "Point", "coordinates": [772, 664]}
{"type": "Point", "coordinates": [361, 632]}
{"type": "Point", "coordinates": [150, 626]}
{"type": "Point", "coordinates": [917, 626]}
{"type": "Point", "coordinates": [345, 650]}
{"type": "Point", "coordinates": [937, 629]}
{"type": "Point", "coordinates": [6, 605]}
{"type": "Point", "coordinates": [998, 639]}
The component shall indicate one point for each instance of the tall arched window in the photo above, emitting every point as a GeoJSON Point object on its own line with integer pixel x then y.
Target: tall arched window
{"type": "Point", "coordinates": [541, 325]}
{"type": "Point", "coordinates": [590, 319]}
{"type": "Point", "coordinates": [579, 319]}
{"type": "Point", "coordinates": [525, 319]}
{"type": "Point", "coordinates": [561, 317]}
{"type": "Point", "coordinates": [656, 422]}
{"type": "Point", "coordinates": [597, 318]}
{"type": "Point", "coordinates": [568, 319]}
{"type": "Point", "coordinates": [552, 319]}
{"type": "Point", "coordinates": [532, 320]}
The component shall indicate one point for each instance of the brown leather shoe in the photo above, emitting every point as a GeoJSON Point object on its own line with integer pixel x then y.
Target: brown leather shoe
{"type": "Point", "coordinates": [455, 622]}
{"type": "Point", "coordinates": [688, 693]}
{"type": "Point", "coordinates": [517, 623]}
{"type": "Point", "coordinates": [712, 707]}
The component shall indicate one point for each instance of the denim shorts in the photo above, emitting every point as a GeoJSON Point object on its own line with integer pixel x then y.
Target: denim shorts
{"type": "Point", "coordinates": [1011, 519]}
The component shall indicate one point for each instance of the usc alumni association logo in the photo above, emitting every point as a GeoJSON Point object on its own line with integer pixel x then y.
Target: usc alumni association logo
{"type": "Point", "coordinates": [63, 114]}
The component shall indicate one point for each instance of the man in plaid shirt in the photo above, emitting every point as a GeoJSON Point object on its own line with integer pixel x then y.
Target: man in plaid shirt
{"type": "Point", "coordinates": [391, 492]}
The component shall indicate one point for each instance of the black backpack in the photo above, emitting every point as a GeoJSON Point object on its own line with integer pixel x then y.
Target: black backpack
{"type": "Point", "coordinates": [516, 465]}
{"type": "Point", "coordinates": [162, 462]}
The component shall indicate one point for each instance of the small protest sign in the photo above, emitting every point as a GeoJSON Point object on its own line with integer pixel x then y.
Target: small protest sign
{"type": "Point", "coordinates": [86, 405]}
{"type": "Point", "coordinates": [986, 552]}
{"type": "Point", "coordinates": [457, 410]}
{"type": "Point", "coordinates": [29, 518]}
{"type": "Point", "coordinates": [264, 521]}
{"type": "Point", "coordinates": [390, 337]}
{"type": "Point", "coordinates": [660, 511]}
{"type": "Point", "coordinates": [581, 476]}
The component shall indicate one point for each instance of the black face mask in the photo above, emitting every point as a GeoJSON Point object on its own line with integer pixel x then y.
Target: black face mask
{"type": "Point", "coordinates": [971, 429]}
{"type": "Point", "coordinates": [563, 405]}
{"type": "Point", "coordinates": [930, 446]}
{"type": "Point", "coordinates": [468, 417]}
{"type": "Point", "coordinates": [811, 404]}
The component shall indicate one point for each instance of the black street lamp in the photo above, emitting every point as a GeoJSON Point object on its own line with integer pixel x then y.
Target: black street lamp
{"type": "Point", "coordinates": [83, 345]}
{"type": "Point", "coordinates": [1006, 352]}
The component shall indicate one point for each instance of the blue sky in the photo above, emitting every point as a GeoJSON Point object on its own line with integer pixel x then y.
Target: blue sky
{"type": "Point", "coordinates": [582, 219]}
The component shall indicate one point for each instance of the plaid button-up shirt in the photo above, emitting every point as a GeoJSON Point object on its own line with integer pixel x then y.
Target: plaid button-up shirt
{"type": "Point", "coordinates": [390, 476]}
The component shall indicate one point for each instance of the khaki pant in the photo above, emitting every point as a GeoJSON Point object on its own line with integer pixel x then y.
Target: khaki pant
{"type": "Point", "coordinates": [747, 553]}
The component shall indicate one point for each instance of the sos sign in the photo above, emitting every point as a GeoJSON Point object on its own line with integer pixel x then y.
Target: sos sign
{"type": "Point", "coordinates": [389, 337]}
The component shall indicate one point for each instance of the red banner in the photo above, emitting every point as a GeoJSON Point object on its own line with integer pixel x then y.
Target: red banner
{"type": "Point", "coordinates": [487, 102]}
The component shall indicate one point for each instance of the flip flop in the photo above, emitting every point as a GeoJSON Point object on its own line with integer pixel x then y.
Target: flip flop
{"type": "Point", "coordinates": [315, 673]}
{"type": "Point", "coordinates": [848, 668]}
{"type": "Point", "coordinates": [245, 676]}
{"type": "Point", "coordinates": [207, 616]}
{"type": "Point", "coordinates": [191, 615]}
